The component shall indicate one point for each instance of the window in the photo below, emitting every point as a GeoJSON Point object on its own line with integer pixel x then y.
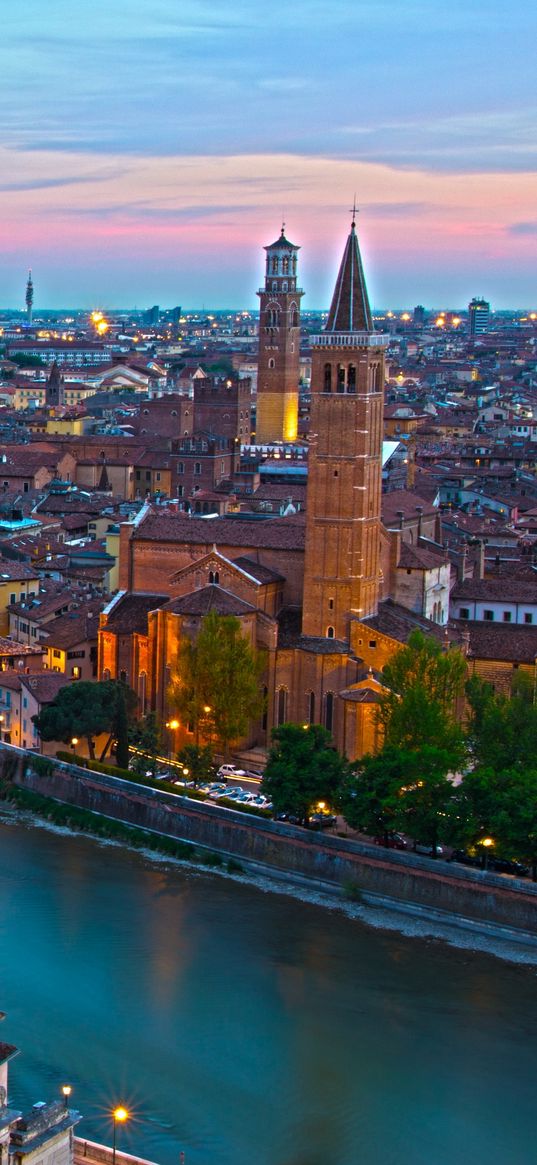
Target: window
{"type": "Point", "coordinates": [372, 643]}
{"type": "Point", "coordinates": [75, 672]}
{"type": "Point", "coordinates": [489, 616]}
{"type": "Point", "coordinates": [327, 378]}
{"type": "Point", "coordinates": [329, 711]}
{"type": "Point", "coordinates": [13, 598]}
{"type": "Point", "coordinates": [464, 613]}
{"type": "Point", "coordinates": [330, 604]}
{"type": "Point", "coordinates": [272, 363]}
{"type": "Point", "coordinates": [158, 476]}
{"type": "Point", "coordinates": [282, 706]}
{"type": "Point", "coordinates": [528, 617]}
{"type": "Point", "coordinates": [264, 722]}
{"type": "Point", "coordinates": [507, 616]}
{"type": "Point", "coordinates": [214, 577]}
{"type": "Point", "coordinates": [351, 378]}
{"type": "Point", "coordinates": [310, 697]}
{"type": "Point", "coordinates": [180, 467]}
{"type": "Point", "coordinates": [340, 378]}
{"type": "Point", "coordinates": [197, 467]}
{"type": "Point", "coordinates": [329, 632]}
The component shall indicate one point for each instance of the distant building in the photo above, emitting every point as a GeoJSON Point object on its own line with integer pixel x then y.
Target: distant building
{"type": "Point", "coordinates": [479, 313]}
{"type": "Point", "coordinates": [29, 298]}
{"type": "Point", "coordinates": [151, 317]}
{"type": "Point", "coordinates": [419, 315]}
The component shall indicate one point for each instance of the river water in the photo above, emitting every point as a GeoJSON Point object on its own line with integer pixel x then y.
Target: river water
{"type": "Point", "coordinates": [250, 1028]}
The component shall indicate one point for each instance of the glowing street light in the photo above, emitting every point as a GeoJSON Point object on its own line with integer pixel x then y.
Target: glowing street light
{"type": "Point", "coordinates": [119, 1115]}
{"type": "Point", "coordinates": [66, 1090]}
{"type": "Point", "coordinates": [487, 843]}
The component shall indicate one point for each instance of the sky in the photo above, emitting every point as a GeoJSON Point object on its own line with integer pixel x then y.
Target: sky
{"type": "Point", "coordinates": [149, 149]}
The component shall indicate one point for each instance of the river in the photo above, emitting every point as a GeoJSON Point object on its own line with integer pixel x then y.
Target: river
{"type": "Point", "coordinates": [250, 1028]}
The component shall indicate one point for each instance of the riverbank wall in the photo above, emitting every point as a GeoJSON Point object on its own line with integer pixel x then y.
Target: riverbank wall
{"type": "Point", "coordinates": [346, 866]}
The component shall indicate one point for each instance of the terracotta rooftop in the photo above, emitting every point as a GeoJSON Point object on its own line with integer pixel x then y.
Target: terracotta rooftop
{"type": "Point", "coordinates": [398, 622]}
{"type": "Point", "coordinates": [508, 587]}
{"type": "Point", "coordinates": [262, 574]}
{"type": "Point", "coordinates": [209, 598]}
{"type": "Point", "coordinates": [408, 502]}
{"type": "Point", "coordinates": [130, 612]}
{"type": "Point", "coordinates": [505, 642]}
{"type": "Point", "coordinates": [272, 533]}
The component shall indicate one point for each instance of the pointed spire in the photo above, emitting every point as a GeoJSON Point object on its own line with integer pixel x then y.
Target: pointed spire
{"type": "Point", "coordinates": [350, 310]}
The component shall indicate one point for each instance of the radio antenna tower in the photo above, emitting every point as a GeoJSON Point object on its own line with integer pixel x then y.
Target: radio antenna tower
{"type": "Point", "coordinates": [29, 298]}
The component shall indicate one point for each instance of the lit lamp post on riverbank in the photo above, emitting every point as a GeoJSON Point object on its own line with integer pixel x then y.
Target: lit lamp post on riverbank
{"type": "Point", "coordinates": [66, 1092]}
{"type": "Point", "coordinates": [74, 742]}
{"type": "Point", "coordinates": [487, 843]}
{"type": "Point", "coordinates": [172, 726]}
{"type": "Point", "coordinates": [119, 1115]}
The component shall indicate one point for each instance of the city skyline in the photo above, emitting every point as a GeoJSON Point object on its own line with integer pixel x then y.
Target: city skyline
{"type": "Point", "coordinates": [149, 156]}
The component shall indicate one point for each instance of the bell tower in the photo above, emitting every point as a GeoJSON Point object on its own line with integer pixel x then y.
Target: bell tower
{"type": "Point", "coordinates": [341, 572]}
{"type": "Point", "coordinates": [279, 345]}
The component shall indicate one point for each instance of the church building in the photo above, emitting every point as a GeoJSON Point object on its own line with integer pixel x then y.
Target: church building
{"type": "Point", "coordinates": [323, 594]}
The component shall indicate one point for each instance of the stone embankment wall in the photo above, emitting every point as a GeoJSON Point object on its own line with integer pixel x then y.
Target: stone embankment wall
{"type": "Point", "coordinates": [286, 851]}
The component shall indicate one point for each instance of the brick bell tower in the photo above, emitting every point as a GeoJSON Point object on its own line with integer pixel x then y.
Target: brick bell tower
{"type": "Point", "coordinates": [341, 572]}
{"type": "Point", "coordinates": [279, 345]}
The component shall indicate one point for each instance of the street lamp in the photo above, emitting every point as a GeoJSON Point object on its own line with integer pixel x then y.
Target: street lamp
{"type": "Point", "coordinates": [120, 1115]}
{"type": "Point", "coordinates": [66, 1090]}
{"type": "Point", "coordinates": [486, 842]}
{"type": "Point", "coordinates": [74, 742]}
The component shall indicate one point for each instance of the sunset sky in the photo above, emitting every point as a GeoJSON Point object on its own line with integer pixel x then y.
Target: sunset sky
{"type": "Point", "coordinates": [150, 149]}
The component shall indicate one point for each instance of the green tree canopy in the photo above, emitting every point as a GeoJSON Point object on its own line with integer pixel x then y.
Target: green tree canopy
{"type": "Point", "coordinates": [503, 728]}
{"type": "Point", "coordinates": [303, 768]}
{"type": "Point", "coordinates": [198, 759]}
{"type": "Point", "coordinates": [501, 806]}
{"type": "Point", "coordinates": [87, 709]}
{"type": "Point", "coordinates": [424, 682]}
{"type": "Point", "coordinates": [216, 683]}
{"type": "Point", "coordinates": [400, 788]}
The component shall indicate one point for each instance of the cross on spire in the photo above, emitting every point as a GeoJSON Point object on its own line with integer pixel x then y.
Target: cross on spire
{"type": "Point", "coordinates": [354, 212]}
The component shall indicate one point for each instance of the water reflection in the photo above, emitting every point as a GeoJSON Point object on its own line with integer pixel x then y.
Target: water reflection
{"type": "Point", "coordinates": [248, 1028]}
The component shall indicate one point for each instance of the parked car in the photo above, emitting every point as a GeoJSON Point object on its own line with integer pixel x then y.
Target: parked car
{"type": "Point", "coordinates": [322, 820]}
{"type": "Point", "coordinates": [421, 847]}
{"type": "Point", "coordinates": [229, 791]}
{"type": "Point", "coordinates": [230, 771]}
{"type": "Point", "coordinates": [460, 855]}
{"type": "Point", "coordinates": [508, 866]}
{"type": "Point", "coordinates": [392, 841]}
{"type": "Point", "coordinates": [218, 790]}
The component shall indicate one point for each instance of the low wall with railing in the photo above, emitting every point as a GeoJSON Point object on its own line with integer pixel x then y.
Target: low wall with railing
{"type": "Point", "coordinates": [341, 864]}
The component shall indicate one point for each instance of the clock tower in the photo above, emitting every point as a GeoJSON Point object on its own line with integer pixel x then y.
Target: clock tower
{"type": "Point", "coordinates": [279, 345]}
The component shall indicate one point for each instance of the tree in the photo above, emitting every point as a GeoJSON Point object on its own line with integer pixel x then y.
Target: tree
{"type": "Point", "coordinates": [198, 759]}
{"type": "Point", "coordinates": [216, 683]}
{"type": "Point", "coordinates": [400, 789]}
{"type": "Point", "coordinates": [122, 730]}
{"type": "Point", "coordinates": [144, 735]}
{"type": "Point", "coordinates": [502, 806]}
{"type": "Point", "coordinates": [426, 797]}
{"type": "Point", "coordinates": [303, 768]}
{"type": "Point", "coordinates": [424, 682]}
{"type": "Point", "coordinates": [502, 728]}
{"type": "Point", "coordinates": [85, 709]}
{"type": "Point", "coordinates": [370, 797]}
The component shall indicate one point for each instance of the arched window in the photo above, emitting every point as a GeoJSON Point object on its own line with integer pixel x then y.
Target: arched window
{"type": "Point", "coordinates": [310, 698]}
{"type": "Point", "coordinates": [282, 705]}
{"type": "Point", "coordinates": [340, 378]}
{"type": "Point", "coordinates": [123, 676]}
{"type": "Point", "coordinates": [327, 378]}
{"type": "Point", "coordinates": [272, 363]}
{"type": "Point", "coordinates": [329, 711]}
{"type": "Point", "coordinates": [174, 413]}
{"type": "Point", "coordinates": [285, 265]}
{"type": "Point", "coordinates": [293, 315]}
{"type": "Point", "coordinates": [264, 721]}
{"type": "Point", "coordinates": [274, 266]}
{"type": "Point", "coordinates": [351, 378]}
{"type": "Point", "coordinates": [284, 286]}
{"type": "Point", "coordinates": [329, 632]}
{"type": "Point", "coordinates": [106, 673]}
